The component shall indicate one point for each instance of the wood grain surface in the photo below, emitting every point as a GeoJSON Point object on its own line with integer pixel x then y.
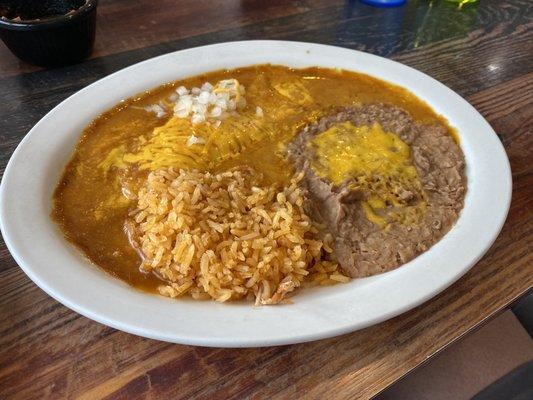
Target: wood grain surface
{"type": "Point", "coordinates": [484, 52]}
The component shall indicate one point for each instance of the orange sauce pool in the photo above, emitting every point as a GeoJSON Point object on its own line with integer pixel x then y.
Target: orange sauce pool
{"type": "Point", "coordinates": [119, 148]}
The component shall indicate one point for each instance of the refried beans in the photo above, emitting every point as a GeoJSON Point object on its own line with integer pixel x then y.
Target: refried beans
{"type": "Point", "coordinates": [380, 218]}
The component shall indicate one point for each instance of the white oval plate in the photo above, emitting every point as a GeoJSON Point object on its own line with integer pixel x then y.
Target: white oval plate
{"type": "Point", "coordinates": [62, 271]}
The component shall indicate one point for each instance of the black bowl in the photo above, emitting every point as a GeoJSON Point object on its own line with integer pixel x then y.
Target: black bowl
{"type": "Point", "coordinates": [53, 41]}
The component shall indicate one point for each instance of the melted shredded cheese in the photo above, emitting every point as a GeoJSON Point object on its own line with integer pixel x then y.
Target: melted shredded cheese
{"type": "Point", "coordinates": [373, 160]}
{"type": "Point", "coordinates": [176, 143]}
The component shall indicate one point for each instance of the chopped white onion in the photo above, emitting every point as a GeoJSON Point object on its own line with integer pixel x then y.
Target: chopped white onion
{"type": "Point", "coordinates": [216, 112]}
{"type": "Point", "coordinates": [197, 118]}
{"type": "Point", "coordinates": [207, 87]}
{"type": "Point", "coordinates": [203, 98]}
{"type": "Point", "coordinates": [212, 103]}
{"type": "Point", "coordinates": [199, 108]}
{"type": "Point", "coordinates": [157, 109]}
{"type": "Point", "coordinates": [194, 140]}
{"type": "Point", "coordinates": [182, 91]}
{"type": "Point", "coordinates": [223, 104]}
{"type": "Point", "coordinates": [182, 113]}
{"type": "Point", "coordinates": [223, 96]}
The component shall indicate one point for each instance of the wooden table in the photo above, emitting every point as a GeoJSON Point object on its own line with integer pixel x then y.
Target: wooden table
{"type": "Point", "coordinates": [483, 52]}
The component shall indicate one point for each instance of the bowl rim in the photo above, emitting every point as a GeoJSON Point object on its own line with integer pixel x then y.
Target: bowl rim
{"type": "Point", "coordinates": [313, 315]}
{"type": "Point", "coordinates": [50, 22]}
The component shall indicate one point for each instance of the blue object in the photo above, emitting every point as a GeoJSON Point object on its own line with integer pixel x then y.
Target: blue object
{"type": "Point", "coordinates": [384, 3]}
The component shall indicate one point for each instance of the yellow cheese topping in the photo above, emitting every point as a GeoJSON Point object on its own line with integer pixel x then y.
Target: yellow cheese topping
{"type": "Point", "coordinates": [375, 161]}
{"type": "Point", "coordinates": [345, 151]}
